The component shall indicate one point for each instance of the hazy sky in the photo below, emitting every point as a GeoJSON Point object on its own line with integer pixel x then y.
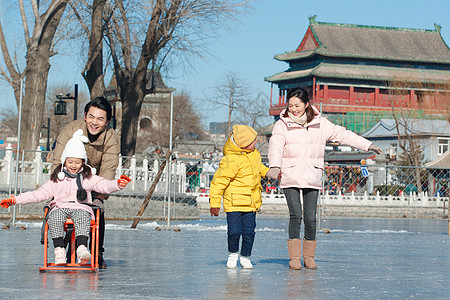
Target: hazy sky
{"type": "Point", "coordinates": [273, 27]}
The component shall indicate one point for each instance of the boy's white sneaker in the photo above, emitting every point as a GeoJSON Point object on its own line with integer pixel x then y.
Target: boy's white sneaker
{"type": "Point", "coordinates": [245, 262]}
{"type": "Point", "coordinates": [60, 256]}
{"type": "Point", "coordinates": [83, 254]}
{"type": "Point", "coordinates": [232, 260]}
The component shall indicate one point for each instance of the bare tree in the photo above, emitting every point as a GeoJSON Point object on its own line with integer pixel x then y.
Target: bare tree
{"type": "Point", "coordinates": [255, 112]}
{"type": "Point", "coordinates": [141, 34]}
{"type": "Point", "coordinates": [154, 128]}
{"type": "Point", "coordinates": [39, 48]}
{"type": "Point", "coordinates": [429, 97]}
{"type": "Point", "coordinates": [92, 19]}
{"type": "Point", "coordinates": [8, 122]}
{"type": "Point", "coordinates": [231, 93]}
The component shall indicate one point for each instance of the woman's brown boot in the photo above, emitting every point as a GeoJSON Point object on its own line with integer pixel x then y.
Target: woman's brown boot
{"type": "Point", "coordinates": [295, 253]}
{"type": "Point", "coordinates": [309, 251]}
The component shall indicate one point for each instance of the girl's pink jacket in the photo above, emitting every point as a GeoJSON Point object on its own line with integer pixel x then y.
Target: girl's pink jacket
{"type": "Point", "coordinates": [299, 151]}
{"type": "Point", "coordinates": [64, 192]}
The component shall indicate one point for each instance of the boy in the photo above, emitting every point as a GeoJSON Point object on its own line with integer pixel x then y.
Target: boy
{"type": "Point", "coordinates": [238, 182]}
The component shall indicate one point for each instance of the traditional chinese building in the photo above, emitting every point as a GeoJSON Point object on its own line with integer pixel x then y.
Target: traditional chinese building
{"type": "Point", "coordinates": [356, 74]}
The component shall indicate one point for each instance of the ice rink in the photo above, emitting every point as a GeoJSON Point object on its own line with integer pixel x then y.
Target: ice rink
{"type": "Point", "coordinates": [359, 259]}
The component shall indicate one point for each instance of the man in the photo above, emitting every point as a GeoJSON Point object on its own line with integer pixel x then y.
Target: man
{"type": "Point", "coordinates": [102, 151]}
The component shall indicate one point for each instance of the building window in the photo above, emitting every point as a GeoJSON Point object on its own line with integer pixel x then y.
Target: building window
{"type": "Point", "coordinates": [443, 146]}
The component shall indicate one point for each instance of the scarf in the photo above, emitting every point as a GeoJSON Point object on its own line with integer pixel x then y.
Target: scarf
{"type": "Point", "coordinates": [299, 120]}
{"type": "Point", "coordinates": [81, 193]}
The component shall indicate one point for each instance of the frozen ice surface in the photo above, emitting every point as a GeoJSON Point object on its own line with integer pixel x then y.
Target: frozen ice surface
{"type": "Point", "coordinates": [359, 259]}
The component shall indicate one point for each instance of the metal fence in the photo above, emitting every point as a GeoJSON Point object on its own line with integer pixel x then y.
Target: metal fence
{"type": "Point", "coordinates": [372, 190]}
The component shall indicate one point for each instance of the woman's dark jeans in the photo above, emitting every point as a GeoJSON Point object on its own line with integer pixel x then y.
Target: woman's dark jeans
{"type": "Point", "coordinates": [241, 223]}
{"type": "Point", "coordinates": [295, 212]}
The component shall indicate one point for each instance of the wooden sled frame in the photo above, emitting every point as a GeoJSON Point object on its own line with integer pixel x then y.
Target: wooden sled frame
{"type": "Point", "coordinates": [73, 265]}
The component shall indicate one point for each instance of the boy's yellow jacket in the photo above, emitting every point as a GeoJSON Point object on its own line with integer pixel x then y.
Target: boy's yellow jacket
{"type": "Point", "coordinates": [238, 179]}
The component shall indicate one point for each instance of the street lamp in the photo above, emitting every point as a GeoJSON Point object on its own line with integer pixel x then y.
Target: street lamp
{"type": "Point", "coordinates": [60, 105]}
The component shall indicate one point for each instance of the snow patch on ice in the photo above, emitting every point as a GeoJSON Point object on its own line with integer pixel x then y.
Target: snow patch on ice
{"type": "Point", "coordinates": [369, 231]}
{"type": "Point", "coordinates": [152, 225]}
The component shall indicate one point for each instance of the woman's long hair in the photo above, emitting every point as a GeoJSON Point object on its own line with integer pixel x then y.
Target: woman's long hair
{"type": "Point", "coordinates": [86, 172]}
{"type": "Point", "coordinates": [303, 95]}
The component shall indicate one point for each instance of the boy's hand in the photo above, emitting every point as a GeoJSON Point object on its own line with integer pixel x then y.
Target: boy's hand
{"type": "Point", "coordinates": [123, 181]}
{"type": "Point", "coordinates": [274, 173]}
{"type": "Point", "coordinates": [5, 203]}
{"type": "Point", "coordinates": [214, 211]}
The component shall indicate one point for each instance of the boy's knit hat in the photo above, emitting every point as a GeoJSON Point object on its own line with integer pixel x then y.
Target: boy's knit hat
{"type": "Point", "coordinates": [243, 135]}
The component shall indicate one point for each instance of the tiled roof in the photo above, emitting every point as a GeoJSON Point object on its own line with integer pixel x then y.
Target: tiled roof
{"type": "Point", "coordinates": [347, 40]}
{"type": "Point", "coordinates": [387, 127]}
{"type": "Point", "coordinates": [441, 162]}
{"type": "Point", "coordinates": [366, 72]}
{"type": "Point", "coordinates": [155, 82]}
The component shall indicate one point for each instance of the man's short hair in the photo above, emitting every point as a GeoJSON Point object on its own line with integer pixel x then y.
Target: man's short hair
{"type": "Point", "coordinates": [100, 103]}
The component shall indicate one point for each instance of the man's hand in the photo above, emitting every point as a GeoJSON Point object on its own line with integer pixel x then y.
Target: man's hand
{"type": "Point", "coordinates": [214, 211]}
{"type": "Point", "coordinates": [99, 203]}
{"type": "Point", "coordinates": [123, 181]}
{"type": "Point", "coordinates": [5, 203]}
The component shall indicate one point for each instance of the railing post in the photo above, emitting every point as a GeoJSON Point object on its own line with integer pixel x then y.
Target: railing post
{"type": "Point", "coordinates": [38, 165]}
{"type": "Point", "coordinates": [155, 170]}
{"type": "Point", "coordinates": [183, 176]}
{"type": "Point", "coordinates": [9, 163]}
{"type": "Point", "coordinates": [146, 171]}
{"type": "Point", "coordinates": [119, 170]}
{"type": "Point", "coordinates": [377, 198]}
{"type": "Point", "coordinates": [133, 172]}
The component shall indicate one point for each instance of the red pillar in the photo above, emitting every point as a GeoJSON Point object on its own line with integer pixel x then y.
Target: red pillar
{"type": "Point", "coordinates": [280, 95]}
{"type": "Point", "coordinates": [377, 97]}
{"type": "Point", "coordinates": [351, 97]}
{"type": "Point", "coordinates": [314, 90]}
{"type": "Point", "coordinates": [412, 99]}
{"type": "Point", "coordinates": [271, 92]}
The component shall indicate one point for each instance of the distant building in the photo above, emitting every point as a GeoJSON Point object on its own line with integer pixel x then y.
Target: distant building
{"type": "Point", "coordinates": [218, 128]}
{"type": "Point", "coordinates": [433, 136]}
{"type": "Point", "coordinates": [157, 95]}
{"type": "Point", "coordinates": [357, 73]}
{"type": "Point", "coordinates": [154, 110]}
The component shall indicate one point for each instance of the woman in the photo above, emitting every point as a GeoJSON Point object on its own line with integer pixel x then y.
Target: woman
{"type": "Point", "coordinates": [296, 150]}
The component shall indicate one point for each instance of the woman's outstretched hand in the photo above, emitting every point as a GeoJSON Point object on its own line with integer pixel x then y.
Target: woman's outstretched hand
{"type": "Point", "coordinates": [274, 173]}
{"type": "Point", "coordinates": [375, 149]}
{"type": "Point", "coordinates": [5, 203]}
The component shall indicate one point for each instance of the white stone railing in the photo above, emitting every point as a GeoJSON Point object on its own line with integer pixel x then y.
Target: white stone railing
{"type": "Point", "coordinates": [411, 200]}
{"type": "Point", "coordinates": [34, 171]}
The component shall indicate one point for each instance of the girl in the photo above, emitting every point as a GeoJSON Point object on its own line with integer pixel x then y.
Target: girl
{"type": "Point", "coordinates": [297, 149]}
{"type": "Point", "coordinates": [70, 186]}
